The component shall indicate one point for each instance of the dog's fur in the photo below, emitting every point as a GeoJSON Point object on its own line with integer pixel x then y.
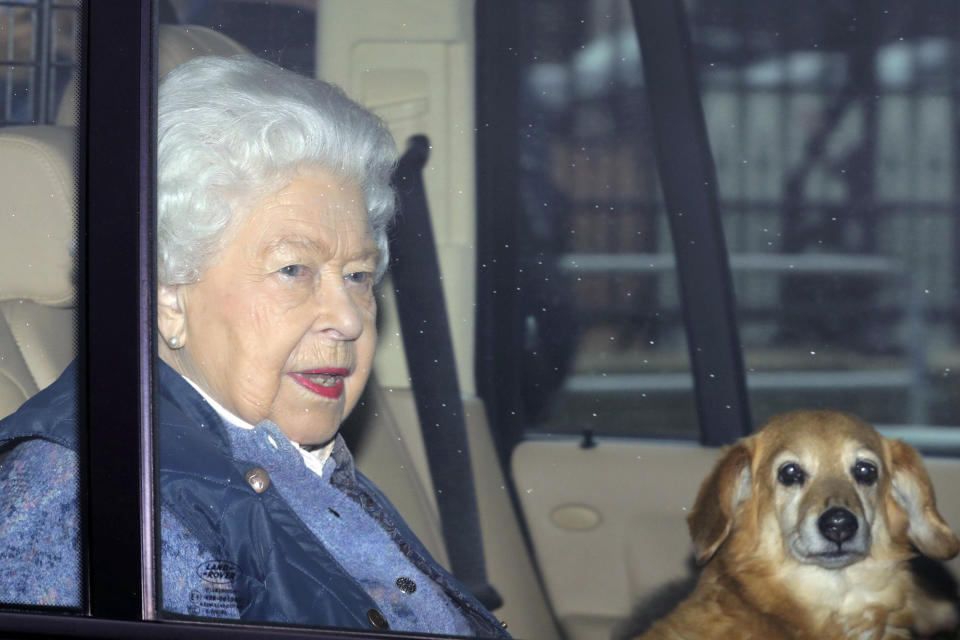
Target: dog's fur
{"type": "Point", "coordinates": [770, 570]}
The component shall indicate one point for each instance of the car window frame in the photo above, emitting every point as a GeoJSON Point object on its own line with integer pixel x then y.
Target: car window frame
{"type": "Point", "coordinates": [116, 285]}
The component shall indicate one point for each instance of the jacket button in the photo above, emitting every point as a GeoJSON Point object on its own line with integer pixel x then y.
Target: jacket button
{"type": "Point", "coordinates": [377, 620]}
{"type": "Point", "coordinates": [406, 585]}
{"type": "Point", "coordinates": [258, 479]}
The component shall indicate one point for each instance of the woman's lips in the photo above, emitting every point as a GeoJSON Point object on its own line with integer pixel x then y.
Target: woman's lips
{"type": "Point", "coordinates": [327, 383]}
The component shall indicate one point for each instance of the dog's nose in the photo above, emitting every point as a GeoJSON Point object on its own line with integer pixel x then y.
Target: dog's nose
{"type": "Point", "coordinates": [837, 524]}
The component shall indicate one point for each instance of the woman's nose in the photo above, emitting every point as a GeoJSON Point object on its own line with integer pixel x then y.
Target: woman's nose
{"type": "Point", "coordinates": [338, 314]}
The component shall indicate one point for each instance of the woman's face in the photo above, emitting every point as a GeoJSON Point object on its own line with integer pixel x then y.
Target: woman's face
{"type": "Point", "coordinates": [282, 325]}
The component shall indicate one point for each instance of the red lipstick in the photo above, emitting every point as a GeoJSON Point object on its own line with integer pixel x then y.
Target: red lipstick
{"type": "Point", "coordinates": [327, 383]}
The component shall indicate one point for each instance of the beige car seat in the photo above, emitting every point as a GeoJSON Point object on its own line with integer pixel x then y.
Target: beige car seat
{"type": "Point", "coordinates": [38, 227]}
{"type": "Point", "coordinates": [176, 44]}
{"type": "Point", "coordinates": [37, 231]}
{"type": "Point", "coordinates": [180, 43]}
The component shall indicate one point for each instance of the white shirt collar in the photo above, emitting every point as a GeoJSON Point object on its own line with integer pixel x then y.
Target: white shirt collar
{"type": "Point", "coordinates": [315, 460]}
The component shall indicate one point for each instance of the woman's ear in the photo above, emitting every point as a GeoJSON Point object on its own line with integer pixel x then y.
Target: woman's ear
{"type": "Point", "coordinates": [912, 491]}
{"type": "Point", "coordinates": [171, 316]}
{"type": "Point", "coordinates": [727, 486]}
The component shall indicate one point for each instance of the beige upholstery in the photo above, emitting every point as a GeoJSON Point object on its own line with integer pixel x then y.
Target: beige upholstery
{"type": "Point", "coordinates": [67, 112]}
{"type": "Point", "coordinates": [177, 44]}
{"type": "Point", "coordinates": [38, 225]}
{"type": "Point", "coordinates": [37, 229]}
{"type": "Point", "coordinates": [180, 43]}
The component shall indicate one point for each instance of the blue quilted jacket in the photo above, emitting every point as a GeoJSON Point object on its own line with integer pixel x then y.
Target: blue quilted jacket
{"type": "Point", "coordinates": [278, 570]}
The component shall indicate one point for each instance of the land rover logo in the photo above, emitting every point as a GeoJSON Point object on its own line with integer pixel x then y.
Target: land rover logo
{"type": "Point", "coordinates": [218, 571]}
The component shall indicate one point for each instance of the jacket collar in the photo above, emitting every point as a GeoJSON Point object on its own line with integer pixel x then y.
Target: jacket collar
{"type": "Point", "coordinates": [50, 414]}
{"type": "Point", "coordinates": [174, 389]}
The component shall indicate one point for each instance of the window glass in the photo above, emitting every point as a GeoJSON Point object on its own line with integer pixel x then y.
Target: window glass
{"type": "Point", "coordinates": [274, 195]}
{"type": "Point", "coordinates": [38, 49]}
{"type": "Point", "coordinates": [281, 32]}
{"type": "Point", "coordinates": [604, 343]}
{"type": "Point", "coordinates": [833, 132]}
{"type": "Point", "coordinates": [40, 551]}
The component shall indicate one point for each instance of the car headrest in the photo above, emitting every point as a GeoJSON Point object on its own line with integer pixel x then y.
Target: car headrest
{"type": "Point", "coordinates": [38, 214]}
{"type": "Point", "coordinates": [177, 43]}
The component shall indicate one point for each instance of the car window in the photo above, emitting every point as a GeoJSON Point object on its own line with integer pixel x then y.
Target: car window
{"type": "Point", "coordinates": [596, 339]}
{"type": "Point", "coordinates": [39, 43]}
{"type": "Point", "coordinates": [834, 167]}
{"type": "Point", "coordinates": [40, 530]}
{"type": "Point", "coordinates": [831, 129]}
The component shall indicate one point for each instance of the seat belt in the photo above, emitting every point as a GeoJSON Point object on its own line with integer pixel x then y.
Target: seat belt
{"type": "Point", "coordinates": [415, 270]}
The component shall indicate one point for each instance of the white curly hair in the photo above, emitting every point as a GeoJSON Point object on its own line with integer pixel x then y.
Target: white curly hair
{"type": "Point", "coordinates": [232, 130]}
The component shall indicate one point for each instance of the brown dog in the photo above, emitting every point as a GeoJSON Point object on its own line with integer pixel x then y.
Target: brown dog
{"type": "Point", "coordinates": [806, 529]}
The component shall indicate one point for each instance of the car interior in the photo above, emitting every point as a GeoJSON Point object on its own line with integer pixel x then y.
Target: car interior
{"type": "Point", "coordinates": [583, 523]}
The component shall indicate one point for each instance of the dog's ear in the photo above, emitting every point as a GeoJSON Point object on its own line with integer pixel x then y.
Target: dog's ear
{"type": "Point", "coordinates": [728, 485]}
{"type": "Point", "coordinates": [912, 491]}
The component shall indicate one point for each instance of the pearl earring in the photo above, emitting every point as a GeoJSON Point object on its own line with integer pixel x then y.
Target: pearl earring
{"type": "Point", "coordinates": [174, 342]}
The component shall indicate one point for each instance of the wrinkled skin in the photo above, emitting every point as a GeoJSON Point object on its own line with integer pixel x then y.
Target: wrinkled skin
{"type": "Point", "coordinates": [289, 294]}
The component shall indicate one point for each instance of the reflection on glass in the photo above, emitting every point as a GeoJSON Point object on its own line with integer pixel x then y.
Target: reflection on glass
{"type": "Point", "coordinates": [605, 344]}
{"type": "Point", "coordinates": [836, 163]}
{"type": "Point", "coordinates": [39, 515]}
{"type": "Point", "coordinates": [274, 197]}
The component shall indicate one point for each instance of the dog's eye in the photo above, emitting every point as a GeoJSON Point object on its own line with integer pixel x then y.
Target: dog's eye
{"type": "Point", "coordinates": [865, 472]}
{"type": "Point", "coordinates": [790, 474]}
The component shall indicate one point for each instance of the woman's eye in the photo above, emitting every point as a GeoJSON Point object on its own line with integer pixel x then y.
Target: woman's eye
{"type": "Point", "coordinates": [864, 472]}
{"type": "Point", "coordinates": [359, 277]}
{"type": "Point", "coordinates": [293, 270]}
{"type": "Point", "coordinates": [790, 474]}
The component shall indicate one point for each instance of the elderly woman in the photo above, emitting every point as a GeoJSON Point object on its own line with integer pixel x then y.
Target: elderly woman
{"type": "Point", "coordinates": [274, 198]}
